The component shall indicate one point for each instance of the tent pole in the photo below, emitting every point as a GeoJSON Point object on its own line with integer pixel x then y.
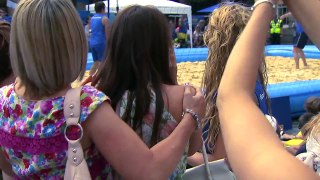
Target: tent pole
{"type": "Point", "coordinates": [117, 8]}
{"type": "Point", "coordinates": [189, 15]}
{"type": "Point", "coordinates": [108, 8]}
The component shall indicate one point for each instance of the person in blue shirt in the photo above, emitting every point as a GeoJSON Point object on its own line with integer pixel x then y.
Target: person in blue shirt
{"type": "Point", "coordinates": [99, 35]}
{"type": "Point", "coordinates": [300, 41]}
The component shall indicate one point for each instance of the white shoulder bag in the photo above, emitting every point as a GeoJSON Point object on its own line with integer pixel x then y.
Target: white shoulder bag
{"type": "Point", "coordinates": [215, 170]}
{"type": "Point", "coordinates": [76, 167]}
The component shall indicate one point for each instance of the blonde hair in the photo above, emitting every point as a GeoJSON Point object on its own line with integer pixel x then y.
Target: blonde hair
{"type": "Point", "coordinates": [224, 28]}
{"type": "Point", "coordinates": [312, 128]}
{"type": "Point", "coordinates": [48, 46]}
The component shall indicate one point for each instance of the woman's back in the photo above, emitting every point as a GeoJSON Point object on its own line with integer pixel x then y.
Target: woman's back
{"type": "Point", "coordinates": [171, 116]}
{"type": "Point", "coordinates": [32, 134]}
{"type": "Point", "coordinates": [138, 79]}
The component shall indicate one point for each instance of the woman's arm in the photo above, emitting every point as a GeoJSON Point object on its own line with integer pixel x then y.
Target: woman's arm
{"type": "Point", "coordinates": [5, 166]}
{"type": "Point", "coordinates": [285, 15]}
{"type": "Point", "coordinates": [263, 157]}
{"type": "Point", "coordinates": [307, 13]}
{"type": "Point", "coordinates": [125, 151]}
{"type": "Point", "coordinates": [219, 152]}
{"type": "Point", "coordinates": [195, 142]}
{"type": "Point", "coordinates": [106, 23]}
{"type": "Point", "coordinates": [173, 97]}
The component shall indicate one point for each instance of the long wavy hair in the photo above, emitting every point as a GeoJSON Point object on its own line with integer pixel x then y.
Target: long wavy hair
{"type": "Point", "coordinates": [225, 26]}
{"type": "Point", "coordinates": [137, 59]}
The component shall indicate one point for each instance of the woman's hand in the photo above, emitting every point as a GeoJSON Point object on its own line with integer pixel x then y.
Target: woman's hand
{"type": "Point", "coordinates": [194, 100]}
{"type": "Point", "coordinates": [87, 81]}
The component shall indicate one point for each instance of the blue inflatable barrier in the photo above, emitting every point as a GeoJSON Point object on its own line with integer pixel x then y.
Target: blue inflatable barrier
{"type": "Point", "coordinates": [310, 51]}
{"type": "Point", "coordinates": [298, 92]}
{"type": "Point", "coordinates": [280, 107]}
{"type": "Point", "coordinates": [191, 55]}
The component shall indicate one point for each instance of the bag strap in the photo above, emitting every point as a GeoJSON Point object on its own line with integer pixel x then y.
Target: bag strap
{"type": "Point", "coordinates": [206, 162]}
{"type": "Point", "coordinates": [72, 110]}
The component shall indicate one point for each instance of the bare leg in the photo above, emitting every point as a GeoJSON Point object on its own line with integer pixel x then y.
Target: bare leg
{"type": "Point", "coordinates": [94, 68]}
{"type": "Point", "coordinates": [296, 56]}
{"type": "Point", "coordinates": [303, 57]}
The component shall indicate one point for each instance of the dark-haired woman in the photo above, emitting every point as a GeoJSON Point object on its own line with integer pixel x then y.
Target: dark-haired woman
{"type": "Point", "coordinates": [6, 74]}
{"type": "Point", "coordinates": [136, 75]}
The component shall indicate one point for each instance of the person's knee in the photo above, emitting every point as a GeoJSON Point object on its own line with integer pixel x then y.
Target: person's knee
{"type": "Point", "coordinates": [296, 50]}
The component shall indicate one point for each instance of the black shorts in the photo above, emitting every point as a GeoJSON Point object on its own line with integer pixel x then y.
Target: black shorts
{"type": "Point", "coordinates": [301, 40]}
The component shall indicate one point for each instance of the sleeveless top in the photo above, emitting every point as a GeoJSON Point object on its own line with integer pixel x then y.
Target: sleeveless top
{"type": "Point", "coordinates": [32, 135]}
{"type": "Point", "coordinates": [98, 35]}
{"type": "Point", "coordinates": [261, 98]}
{"type": "Point", "coordinates": [167, 125]}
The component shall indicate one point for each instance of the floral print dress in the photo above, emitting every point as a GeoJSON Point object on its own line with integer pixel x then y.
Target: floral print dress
{"type": "Point", "coordinates": [32, 135]}
{"type": "Point", "coordinates": [167, 125]}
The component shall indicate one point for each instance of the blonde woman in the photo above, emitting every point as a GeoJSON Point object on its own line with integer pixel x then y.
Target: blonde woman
{"type": "Point", "coordinates": [224, 28]}
{"type": "Point", "coordinates": [46, 60]}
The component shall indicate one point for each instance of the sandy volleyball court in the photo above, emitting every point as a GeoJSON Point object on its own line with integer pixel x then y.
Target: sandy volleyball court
{"type": "Point", "coordinates": [279, 69]}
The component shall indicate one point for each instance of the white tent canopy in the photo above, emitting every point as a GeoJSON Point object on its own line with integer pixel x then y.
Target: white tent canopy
{"type": "Point", "coordinates": [165, 6]}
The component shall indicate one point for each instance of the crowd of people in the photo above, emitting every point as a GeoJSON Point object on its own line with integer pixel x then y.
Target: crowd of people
{"type": "Point", "coordinates": [138, 123]}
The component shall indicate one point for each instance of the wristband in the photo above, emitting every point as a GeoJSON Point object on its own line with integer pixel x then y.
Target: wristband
{"type": "Point", "coordinates": [194, 116]}
{"type": "Point", "coordinates": [262, 1]}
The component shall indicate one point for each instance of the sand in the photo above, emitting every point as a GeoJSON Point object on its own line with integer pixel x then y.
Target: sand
{"type": "Point", "coordinates": [279, 70]}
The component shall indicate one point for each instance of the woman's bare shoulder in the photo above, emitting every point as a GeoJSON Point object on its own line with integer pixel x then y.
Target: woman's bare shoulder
{"type": "Point", "coordinates": [173, 98]}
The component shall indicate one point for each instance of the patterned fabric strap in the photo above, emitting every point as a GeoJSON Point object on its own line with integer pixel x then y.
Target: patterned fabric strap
{"type": "Point", "coordinates": [35, 146]}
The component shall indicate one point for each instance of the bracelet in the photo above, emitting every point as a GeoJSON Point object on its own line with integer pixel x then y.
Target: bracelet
{"type": "Point", "coordinates": [194, 116]}
{"type": "Point", "coordinates": [262, 1]}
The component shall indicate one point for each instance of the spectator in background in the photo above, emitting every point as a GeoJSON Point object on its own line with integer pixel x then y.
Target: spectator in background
{"type": "Point", "coordinates": [87, 27]}
{"type": "Point", "coordinates": [2, 14]}
{"type": "Point", "coordinates": [300, 41]}
{"type": "Point", "coordinates": [296, 143]}
{"type": "Point", "coordinates": [198, 37]}
{"type": "Point", "coordinates": [312, 105]}
{"type": "Point", "coordinates": [6, 74]}
{"type": "Point", "coordinates": [275, 31]}
{"type": "Point", "coordinates": [202, 24]}
{"type": "Point", "coordinates": [99, 35]}
{"type": "Point", "coordinates": [172, 29]}
{"type": "Point", "coordinates": [181, 30]}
